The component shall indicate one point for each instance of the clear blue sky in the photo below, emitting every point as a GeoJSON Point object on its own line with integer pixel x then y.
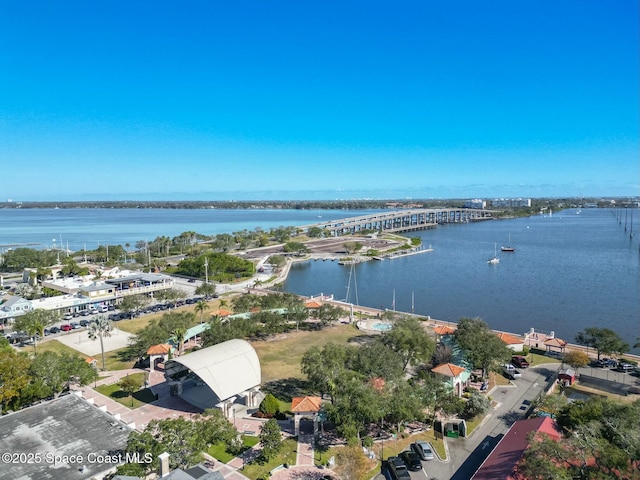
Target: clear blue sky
{"type": "Point", "coordinates": [259, 100]}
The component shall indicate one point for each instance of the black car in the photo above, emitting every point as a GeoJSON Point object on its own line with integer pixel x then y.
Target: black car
{"type": "Point", "coordinates": [411, 460]}
{"type": "Point", "coordinates": [84, 323]}
{"type": "Point", "coordinates": [54, 330]}
{"type": "Point", "coordinates": [398, 468]}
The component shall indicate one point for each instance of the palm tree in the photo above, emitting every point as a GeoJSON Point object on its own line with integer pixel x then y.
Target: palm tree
{"type": "Point", "coordinates": [33, 324]}
{"type": "Point", "coordinates": [101, 328]}
{"type": "Point", "coordinates": [179, 333]}
{"type": "Point", "coordinates": [201, 307]}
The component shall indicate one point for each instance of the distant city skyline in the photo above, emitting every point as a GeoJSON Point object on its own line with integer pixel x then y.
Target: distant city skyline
{"type": "Point", "coordinates": [318, 101]}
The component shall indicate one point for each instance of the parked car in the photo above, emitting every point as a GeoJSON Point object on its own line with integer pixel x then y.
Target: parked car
{"type": "Point", "coordinates": [84, 323]}
{"type": "Point", "coordinates": [66, 327]}
{"type": "Point", "coordinates": [75, 325]}
{"type": "Point", "coordinates": [423, 449]}
{"type": "Point", "coordinates": [85, 313]}
{"type": "Point", "coordinates": [606, 363]}
{"type": "Point", "coordinates": [54, 330]}
{"type": "Point", "coordinates": [46, 331]}
{"type": "Point", "coordinates": [68, 316]}
{"type": "Point", "coordinates": [398, 469]}
{"type": "Point", "coordinates": [411, 460]}
{"type": "Point", "coordinates": [519, 361]}
{"type": "Point", "coordinates": [625, 367]}
{"type": "Point", "coordinates": [111, 308]}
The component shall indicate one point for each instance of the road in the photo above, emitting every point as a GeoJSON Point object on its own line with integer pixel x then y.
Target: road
{"type": "Point", "coordinates": [467, 454]}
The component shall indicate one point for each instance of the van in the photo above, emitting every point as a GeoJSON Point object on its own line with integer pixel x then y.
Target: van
{"type": "Point", "coordinates": [104, 309]}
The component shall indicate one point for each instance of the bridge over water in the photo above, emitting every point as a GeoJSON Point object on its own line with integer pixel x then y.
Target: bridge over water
{"type": "Point", "coordinates": [401, 220]}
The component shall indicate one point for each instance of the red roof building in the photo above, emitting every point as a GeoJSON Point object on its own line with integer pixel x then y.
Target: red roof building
{"type": "Point", "coordinates": [502, 461]}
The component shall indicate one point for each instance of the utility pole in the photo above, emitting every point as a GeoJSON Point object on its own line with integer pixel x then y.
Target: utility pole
{"type": "Point", "coordinates": [206, 270]}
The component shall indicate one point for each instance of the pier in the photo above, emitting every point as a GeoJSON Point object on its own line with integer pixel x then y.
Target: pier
{"type": "Point", "coordinates": [401, 220]}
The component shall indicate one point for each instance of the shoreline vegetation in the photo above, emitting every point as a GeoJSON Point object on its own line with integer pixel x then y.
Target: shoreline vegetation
{"type": "Point", "coordinates": [346, 204]}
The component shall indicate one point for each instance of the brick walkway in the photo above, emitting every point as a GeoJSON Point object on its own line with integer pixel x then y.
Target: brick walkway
{"type": "Point", "coordinates": [168, 406]}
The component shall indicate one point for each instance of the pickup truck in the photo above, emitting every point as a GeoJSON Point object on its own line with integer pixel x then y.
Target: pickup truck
{"type": "Point", "coordinates": [511, 372]}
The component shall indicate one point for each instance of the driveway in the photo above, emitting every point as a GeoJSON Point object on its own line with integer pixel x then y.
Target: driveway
{"type": "Point", "coordinates": [467, 454]}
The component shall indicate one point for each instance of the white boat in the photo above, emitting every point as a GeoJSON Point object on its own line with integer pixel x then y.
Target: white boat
{"type": "Point", "coordinates": [493, 260]}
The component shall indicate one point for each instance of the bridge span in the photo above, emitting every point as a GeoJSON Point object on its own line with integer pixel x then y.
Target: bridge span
{"type": "Point", "coordinates": [401, 220]}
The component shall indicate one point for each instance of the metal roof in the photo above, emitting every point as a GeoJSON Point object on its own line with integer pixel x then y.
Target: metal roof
{"type": "Point", "coordinates": [228, 368]}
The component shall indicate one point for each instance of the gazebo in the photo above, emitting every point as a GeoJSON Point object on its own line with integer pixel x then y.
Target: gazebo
{"type": "Point", "coordinates": [555, 345]}
{"type": "Point", "coordinates": [456, 377]}
{"type": "Point", "coordinates": [158, 354]}
{"type": "Point", "coordinates": [306, 407]}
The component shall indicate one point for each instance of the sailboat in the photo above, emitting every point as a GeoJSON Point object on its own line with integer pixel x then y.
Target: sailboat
{"type": "Point", "coordinates": [493, 260]}
{"type": "Point", "coordinates": [508, 248]}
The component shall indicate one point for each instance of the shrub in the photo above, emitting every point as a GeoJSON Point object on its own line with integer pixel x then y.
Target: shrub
{"type": "Point", "coordinates": [270, 406]}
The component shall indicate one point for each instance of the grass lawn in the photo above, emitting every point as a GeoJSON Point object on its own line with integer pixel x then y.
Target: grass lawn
{"type": "Point", "coordinates": [113, 361]}
{"type": "Point", "coordinates": [219, 450]}
{"type": "Point", "coordinates": [52, 346]}
{"type": "Point", "coordinates": [141, 397]}
{"type": "Point", "coordinates": [134, 325]}
{"type": "Point", "coordinates": [287, 455]}
{"type": "Point", "coordinates": [280, 357]}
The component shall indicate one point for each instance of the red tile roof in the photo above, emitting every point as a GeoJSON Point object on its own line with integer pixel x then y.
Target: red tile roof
{"type": "Point", "coordinates": [306, 404]}
{"type": "Point", "coordinates": [502, 461]}
{"type": "Point", "coordinates": [555, 342]}
{"type": "Point", "coordinates": [444, 330]}
{"type": "Point", "coordinates": [222, 313]}
{"type": "Point", "coordinates": [509, 339]}
{"type": "Point", "coordinates": [312, 304]}
{"type": "Point", "coordinates": [448, 369]}
{"type": "Point", "coordinates": [161, 349]}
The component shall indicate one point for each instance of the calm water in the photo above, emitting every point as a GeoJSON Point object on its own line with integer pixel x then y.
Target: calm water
{"type": "Point", "coordinates": [568, 272]}
{"type": "Point", "coordinates": [99, 226]}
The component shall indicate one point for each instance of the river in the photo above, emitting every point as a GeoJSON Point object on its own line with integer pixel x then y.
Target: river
{"type": "Point", "coordinates": [569, 271]}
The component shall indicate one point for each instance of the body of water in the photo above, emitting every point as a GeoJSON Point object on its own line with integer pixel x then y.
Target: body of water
{"type": "Point", "coordinates": [91, 227]}
{"type": "Point", "coordinates": [569, 271]}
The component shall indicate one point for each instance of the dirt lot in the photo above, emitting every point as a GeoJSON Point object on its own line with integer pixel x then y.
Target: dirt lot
{"type": "Point", "coordinates": [330, 247]}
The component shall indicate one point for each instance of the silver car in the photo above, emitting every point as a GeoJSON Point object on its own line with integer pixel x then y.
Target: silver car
{"type": "Point", "coordinates": [423, 449]}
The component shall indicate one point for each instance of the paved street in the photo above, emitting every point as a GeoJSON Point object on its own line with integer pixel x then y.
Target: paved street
{"type": "Point", "coordinates": [466, 455]}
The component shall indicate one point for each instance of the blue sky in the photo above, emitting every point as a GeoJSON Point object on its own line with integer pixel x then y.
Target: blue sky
{"type": "Point", "coordinates": [318, 100]}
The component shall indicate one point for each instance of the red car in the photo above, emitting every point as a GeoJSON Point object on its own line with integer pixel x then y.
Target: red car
{"type": "Point", "coordinates": [66, 328]}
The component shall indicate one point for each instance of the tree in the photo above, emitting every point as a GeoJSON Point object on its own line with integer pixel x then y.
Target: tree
{"type": "Point", "coordinates": [409, 339]}
{"type": "Point", "coordinates": [604, 340]}
{"type": "Point", "coordinates": [576, 358]}
{"type": "Point", "coordinates": [482, 346]}
{"type": "Point", "coordinates": [55, 372]}
{"type": "Point", "coordinates": [329, 314]}
{"type": "Point", "coordinates": [201, 307]}
{"type": "Point", "coordinates": [132, 303]}
{"type": "Point", "coordinates": [130, 385]}
{"type": "Point", "coordinates": [322, 366]}
{"type": "Point", "coordinates": [14, 378]}
{"type": "Point", "coordinates": [101, 328]}
{"type": "Point", "coordinates": [270, 439]}
{"type": "Point", "coordinates": [182, 438]}
{"type": "Point", "coordinates": [179, 333]}
{"type": "Point", "coordinates": [351, 464]}
{"type": "Point", "coordinates": [206, 289]}
{"type": "Point", "coordinates": [34, 322]}
{"type": "Point", "coordinates": [477, 404]}
{"type": "Point", "coordinates": [269, 406]}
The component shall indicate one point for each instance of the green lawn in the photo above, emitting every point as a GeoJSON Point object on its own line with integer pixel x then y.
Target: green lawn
{"type": "Point", "coordinates": [219, 450]}
{"type": "Point", "coordinates": [287, 455]}
{"type": "Point", "coordinates": [139, 398]}
{"type": "Point", "coordinates": [280, 357]}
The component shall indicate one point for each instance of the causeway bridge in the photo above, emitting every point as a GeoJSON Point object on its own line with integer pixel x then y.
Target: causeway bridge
{"type": "Point", "coordinates": [401, 220]}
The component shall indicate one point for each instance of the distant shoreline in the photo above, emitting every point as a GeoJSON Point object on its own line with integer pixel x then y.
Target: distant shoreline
{"type": "Point", "coordinates": [350, 204]}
